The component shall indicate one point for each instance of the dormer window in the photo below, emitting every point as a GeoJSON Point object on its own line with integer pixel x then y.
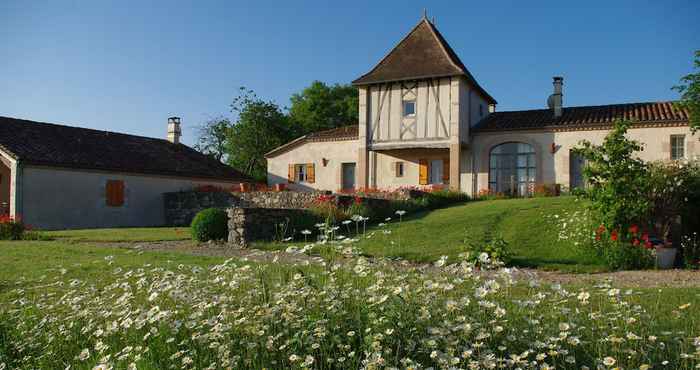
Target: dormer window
{"type": "Point", "coordinates": [409, 108]}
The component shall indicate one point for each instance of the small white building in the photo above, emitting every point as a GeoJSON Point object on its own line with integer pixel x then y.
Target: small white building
{"type": "Point", "coordinates": [424, 120]}
{"type": "Point", "coordinates": [62, 177]}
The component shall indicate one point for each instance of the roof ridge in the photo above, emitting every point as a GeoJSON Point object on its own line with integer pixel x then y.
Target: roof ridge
{"type": "Point", "coordinates": [82, 128]}
{"type": "Point", "coordinates": [588, 106]}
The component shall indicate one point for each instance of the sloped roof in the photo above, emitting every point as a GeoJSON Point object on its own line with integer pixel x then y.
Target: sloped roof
{"type": "Point", "coordinates": [573, 118]}
{"type": "Point", "coordinates": [349, 132]}
{"type": "Point", "coordinates": [423, 53]}
{"type": "Point", "coordinates": [52, 145]}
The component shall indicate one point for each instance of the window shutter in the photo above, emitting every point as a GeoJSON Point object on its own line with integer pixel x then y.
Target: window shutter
{"type": "Point", "coordinates": [396, 169]}
{"type": "Point", "coordinates": [290, 174]}
{"type": "Point", "coordinates": [446, 171]}
{"type": "Point", "coordinates": [115, 193]}
{"type": "Point", "coordinates": [310, 174]}
{"type": "Point", "coordinates": [423, 172]}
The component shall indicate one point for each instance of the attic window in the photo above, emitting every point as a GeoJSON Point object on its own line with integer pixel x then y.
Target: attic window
{"type": "Point", "coordinates": [409, 108]}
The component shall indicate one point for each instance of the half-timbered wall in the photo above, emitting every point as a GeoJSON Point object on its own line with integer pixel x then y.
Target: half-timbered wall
{"type": "Point", "coordinates": [431, 122]}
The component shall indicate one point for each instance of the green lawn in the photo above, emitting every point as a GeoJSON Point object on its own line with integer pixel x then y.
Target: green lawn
{"type": "Point", "coordinates": [521, 222]}
{"type": "Point", "coordinates": [135, 234]}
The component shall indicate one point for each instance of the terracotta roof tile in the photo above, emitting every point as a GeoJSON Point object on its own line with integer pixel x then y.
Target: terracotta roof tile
{"type": "Point", "coordinates": [585, 116]}
{"type": "Point", "coordinates": [53, 145]}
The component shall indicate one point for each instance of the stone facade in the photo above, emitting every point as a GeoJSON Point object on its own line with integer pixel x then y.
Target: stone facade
{"type": "Point", "coordinates": [181, 207]}
{"type": "Point", "coordinates": [251, 224]}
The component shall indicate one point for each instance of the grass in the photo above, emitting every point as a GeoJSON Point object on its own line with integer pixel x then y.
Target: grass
{"type": "Point", "coordinates": [133, 234]}
{"type": "Point", "coordinates": [522, 223]}
{"type": "Point", "coordinates": [267, 301]}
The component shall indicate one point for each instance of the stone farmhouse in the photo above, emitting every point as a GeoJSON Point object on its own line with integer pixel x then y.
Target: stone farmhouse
{"type": "Point", "coordinates": [61, 177]}
{"type": "Point", "coordinates": [424, 120]}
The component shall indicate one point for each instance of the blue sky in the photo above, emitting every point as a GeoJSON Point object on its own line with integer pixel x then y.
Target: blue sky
{"type": "Point", "coordinates": [126, 66]}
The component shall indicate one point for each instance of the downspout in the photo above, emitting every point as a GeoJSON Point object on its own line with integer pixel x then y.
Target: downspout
{"type": "Point", "coordinates": [19, 185]}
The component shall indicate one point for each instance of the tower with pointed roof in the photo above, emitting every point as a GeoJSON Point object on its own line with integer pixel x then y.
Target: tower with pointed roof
{"type": "Point", "coordinates": [419, 97]}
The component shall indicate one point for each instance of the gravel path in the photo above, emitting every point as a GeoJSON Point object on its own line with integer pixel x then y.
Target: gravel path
{"type": "Point", "coordinates": [632, 279]}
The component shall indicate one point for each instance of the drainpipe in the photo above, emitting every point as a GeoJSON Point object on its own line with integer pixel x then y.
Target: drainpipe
{"type": "Point", "coordinates": [16, 202]}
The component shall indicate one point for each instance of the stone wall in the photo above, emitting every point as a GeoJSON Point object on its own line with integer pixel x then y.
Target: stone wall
{"type": "Point", "coordinates": [259, 224]}
{"type": "Point", "coordinates": [181, 207]}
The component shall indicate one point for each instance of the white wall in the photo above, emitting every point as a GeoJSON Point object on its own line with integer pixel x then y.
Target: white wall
{"type": "Point", "coordinates": [385, 118]}
{"type": "Point", "coordinates": [554, 168]}
{"type": "Point", "coordinates": [71, 199]}
{"type": "Point", "coordinates": [326, 177]}
{"type": "Point", "coordinates": [386, 173]}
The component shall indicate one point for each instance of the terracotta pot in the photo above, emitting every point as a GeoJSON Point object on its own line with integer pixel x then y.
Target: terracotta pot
{"type": "Point", "coordinates": [665, 257]}
{"type": "Point", "coordinates": [280, 187]}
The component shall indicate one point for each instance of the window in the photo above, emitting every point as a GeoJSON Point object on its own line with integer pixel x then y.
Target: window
{"type": "Point", "coordinates": [409, 108]}
{"type": "Point", "coordinates": [114, 193]}
{"type": "Point", "coordinates": [399, 169]}
{"type": "Point", "coordinates": [512, 169]}
{"type": "Point", "coordinates": [303, 172]}
{"type": "Point", "coordinates": [677, 147]}
{"type": "Point", "coordinates": [300, 172]}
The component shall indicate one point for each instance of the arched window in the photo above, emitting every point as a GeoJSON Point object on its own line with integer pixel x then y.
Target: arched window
{"type": "Point", "coordinates": [512, 169]}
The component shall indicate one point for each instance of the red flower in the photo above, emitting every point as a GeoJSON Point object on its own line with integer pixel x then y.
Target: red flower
{"type": "Point", "coordinates": [635, 242]}
{"type": "Point", "coordinates": [645, 237]}
{"type": "Point", "coordinates": [358, 200]}
{"type": "Point", "coordinates": [613, 235]}
{"type": "Point", "coordinates": [647, 244]}
{"type": "Point", "coordinates": [634, 229]}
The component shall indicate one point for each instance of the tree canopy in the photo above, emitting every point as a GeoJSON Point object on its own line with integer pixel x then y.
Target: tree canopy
{"type": "Point", "coordinates": [689, 89]}
{"type": "Point", "coordinates": [320, 107]}
{"type": "Point", "coordinates": [260, 126]}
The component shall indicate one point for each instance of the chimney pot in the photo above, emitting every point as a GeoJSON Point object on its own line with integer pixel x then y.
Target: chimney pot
{"type": "Point", "coordinates": [174, 130]}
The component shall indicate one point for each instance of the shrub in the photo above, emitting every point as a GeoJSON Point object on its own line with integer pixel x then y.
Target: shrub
{"type": "Point", "coordinates": [11, 228]}
{"type": "Point", "coordinates": [547, 190]}
{"type": "Point", "coordinates": [497, 249]}
{"type": "Point", "coordinates": [210, 224]}
{"type": "Point", "coordinates": [690, 246]}
{"type": "Point", "coordinates": [326, 208]}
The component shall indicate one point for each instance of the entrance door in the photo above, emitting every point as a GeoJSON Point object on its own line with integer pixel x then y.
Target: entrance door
{"type": "Point", "coordinates": [576, 163]}
{"type": "Point", "coordinates": [436, 171]}
{"type": "Point", "coordinates": [348, 176]}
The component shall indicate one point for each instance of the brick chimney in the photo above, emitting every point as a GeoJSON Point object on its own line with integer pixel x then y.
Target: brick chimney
{"type": "Point", "coordinates": [556, 100]}
{"type": "Point", "coordinates": [174, 131]}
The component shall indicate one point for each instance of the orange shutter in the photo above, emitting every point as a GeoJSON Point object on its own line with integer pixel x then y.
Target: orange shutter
{"type": "Point", "coordinates": [310, 173]}
{"type": "Point", "coordinates": [290, 174]}
{"type": "Point", "coordinates": [423, 172]}
{"type": "Point", "coordinates": [115, 193]}
{"type": "Point", "coordinates": [446, 171]}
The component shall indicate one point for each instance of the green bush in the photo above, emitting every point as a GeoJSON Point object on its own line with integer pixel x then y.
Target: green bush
{"type": "Point", "coordinates": [496, 248]}
{"type": "Point", "coordinates": [11, 228]}
{"type": "Point", "coordinates": [210, 224]}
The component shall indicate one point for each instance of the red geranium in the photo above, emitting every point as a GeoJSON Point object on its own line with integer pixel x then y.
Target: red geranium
{"type": "Point", "coordinates": [634, 229]}
{"type": "Point", "coordinates": [613, 235]}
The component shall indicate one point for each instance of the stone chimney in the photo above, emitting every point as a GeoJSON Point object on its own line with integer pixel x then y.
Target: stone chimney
{"type": "Point", "coordinates": [556, 100]}
{"type": "Point", "coordinates": [174, 131]}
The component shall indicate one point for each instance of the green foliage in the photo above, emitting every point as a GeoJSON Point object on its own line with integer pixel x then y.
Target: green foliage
{"type": "Point", "coordinates": [11, 228]}
{"type": "Point", "coordinates": [674, 190]}
{"type": "Point", "coordinates": [261, 127]}
{"type": "Point", "coordinates": [320, 107]}
{"type": "Point", "coordinates": [621, 255]}
{"type": "Point", "coordinates": [617, 179]}
{"type": "Point", "coordinates": [690, 247]}
{"type": "Point", "coordinates": [689, 89]}
{"type": "Point", "coordinates": [210, 224]}
{"type": "Point", "coordinates": [212, 137]}
{"type": "Point", "coordinates": [496, 249]}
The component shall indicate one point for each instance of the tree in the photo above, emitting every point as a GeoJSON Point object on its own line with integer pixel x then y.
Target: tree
{"type": "Point", "coordinates": [212, 136]}
{"type": "Point", "coordinates": [261, 126]}
{"type": "Point", "coordinates": [617, 179]}
{"type": "Point", "coordinates": [320, 107]}
{"type": "Point", "coordinates": [690, 94]}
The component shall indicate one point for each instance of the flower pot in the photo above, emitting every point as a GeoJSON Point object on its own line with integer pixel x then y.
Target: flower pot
{"type": "Point", "coordinates": [665, 257]}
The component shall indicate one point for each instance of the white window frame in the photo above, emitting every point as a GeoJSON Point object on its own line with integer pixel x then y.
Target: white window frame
{"type": "Point", "coordinates": [677, 139]}
{"type": "Point", "coordinates": [405, 103]}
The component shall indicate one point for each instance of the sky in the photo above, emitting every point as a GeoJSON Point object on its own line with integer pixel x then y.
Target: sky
{"type": "Point", "coordinates": [126, 66]}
